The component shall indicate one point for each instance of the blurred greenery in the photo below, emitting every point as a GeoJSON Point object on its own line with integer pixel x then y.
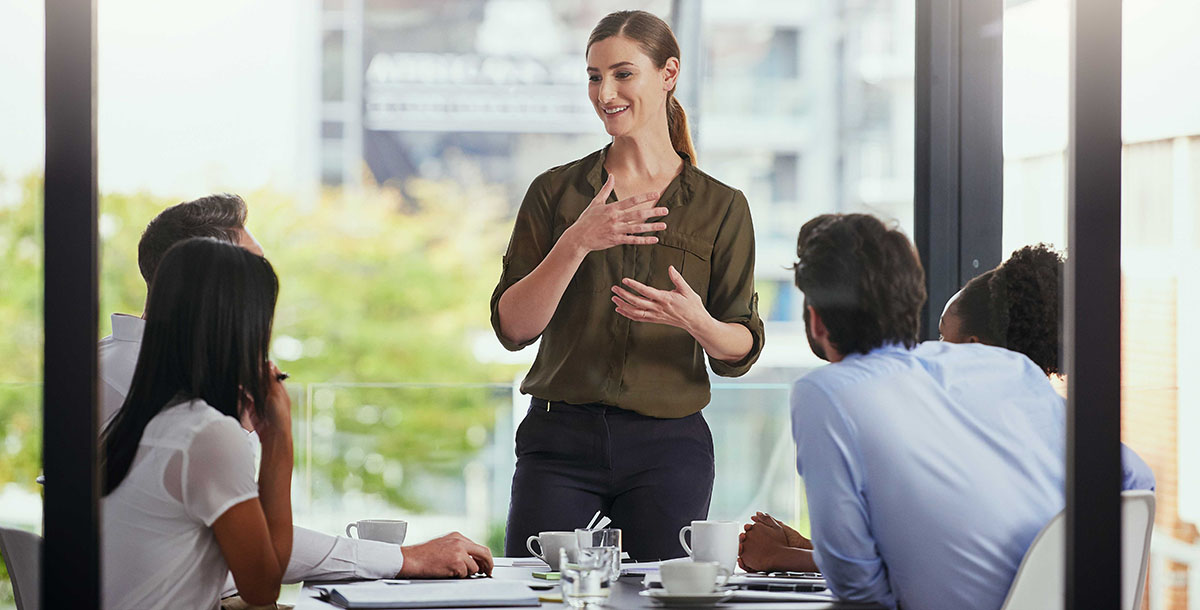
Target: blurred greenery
{"type": "Point", "coordinates": [388, 286]}
{"type": "Point", "coordinates": [362, 441]}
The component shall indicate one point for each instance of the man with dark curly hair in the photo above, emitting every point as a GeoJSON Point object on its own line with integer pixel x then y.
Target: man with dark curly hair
{"type": "Point", "coordinates": [929, 468]}
{"type": "Point", "coordinates": [1016, 306]}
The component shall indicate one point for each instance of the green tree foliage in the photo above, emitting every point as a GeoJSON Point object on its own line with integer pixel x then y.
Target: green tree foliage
{"type": "Point", "coordinates": [383, 287]}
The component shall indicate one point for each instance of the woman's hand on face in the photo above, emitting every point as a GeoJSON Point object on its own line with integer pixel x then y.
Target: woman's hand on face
{"type": "Point", "coordinates": [604, 225]}
{"type": "Point", "coordinates": [681, 307]}
{"type": "Point", "coordinates": [278, 414]}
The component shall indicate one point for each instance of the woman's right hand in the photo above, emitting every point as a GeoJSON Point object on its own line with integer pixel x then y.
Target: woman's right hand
{"type": "Point", "coordinates": [277, 417]}
{"type": "Point", "coordinates": [603, 225]}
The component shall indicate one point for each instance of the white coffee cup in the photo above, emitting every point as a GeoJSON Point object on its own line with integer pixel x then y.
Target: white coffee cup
{"type": "Point", "coordinates": [687, 577]}
{"type": "Point", "coordinates": [712, 541]}
{"type": "Point", "coordinates": [383, 530]}
{"type": "Point", "coordinates": [550, 543]}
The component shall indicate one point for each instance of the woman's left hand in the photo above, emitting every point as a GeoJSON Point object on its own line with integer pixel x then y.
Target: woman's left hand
{"type": "Point", "coordinates": [681, 307]}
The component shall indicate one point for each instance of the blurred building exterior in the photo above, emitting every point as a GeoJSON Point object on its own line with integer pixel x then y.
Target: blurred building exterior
{"type": "Point", "coordinates": [806, 107]}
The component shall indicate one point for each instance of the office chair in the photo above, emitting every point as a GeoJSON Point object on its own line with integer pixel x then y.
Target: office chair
{"type": "Point", "coordinates": [23, 556]}
{"type": "Point", "coordinates": [1040, 581]}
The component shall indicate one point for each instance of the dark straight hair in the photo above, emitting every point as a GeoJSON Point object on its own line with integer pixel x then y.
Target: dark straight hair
{"type": "Point", "coordinates": [208, 328]}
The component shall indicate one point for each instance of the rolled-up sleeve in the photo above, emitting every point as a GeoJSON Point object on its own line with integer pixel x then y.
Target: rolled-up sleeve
{"type": "Point", "coordinates": [731, 295]}
{"type": "Point", "coordinates": [531, 240]}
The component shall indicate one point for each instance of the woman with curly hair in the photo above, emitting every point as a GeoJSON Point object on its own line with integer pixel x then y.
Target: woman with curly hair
{"type": "Point", "coordinates": [1017, 306]}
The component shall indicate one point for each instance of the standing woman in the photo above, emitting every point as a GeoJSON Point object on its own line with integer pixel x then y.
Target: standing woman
{"type": "Point", "coordinates": [181, 506]}
{"type": "Point", "coordinates": [631, 265]}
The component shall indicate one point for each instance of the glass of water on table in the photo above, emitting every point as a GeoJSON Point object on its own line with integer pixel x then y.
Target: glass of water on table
{"type": "Point", "coordinates": [585, 575]}
{"type": "Point", "coordinates": [603, 538]}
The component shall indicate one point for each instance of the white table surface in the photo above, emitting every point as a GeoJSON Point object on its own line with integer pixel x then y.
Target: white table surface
{"type": "Point", "coordinates": [625, 594]}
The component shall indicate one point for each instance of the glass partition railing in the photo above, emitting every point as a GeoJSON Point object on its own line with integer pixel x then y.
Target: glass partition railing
{"type": "Point", "coordinates": [440, 456]}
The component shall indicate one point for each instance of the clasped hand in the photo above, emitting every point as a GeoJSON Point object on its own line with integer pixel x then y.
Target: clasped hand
{"type": "Point", "coordinates": [766, 538]}
{"type": "Point", "coordinates": [604, 225]}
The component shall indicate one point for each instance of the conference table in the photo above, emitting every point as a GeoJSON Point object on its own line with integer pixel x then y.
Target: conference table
{"type": "Point", "coordinates": [624, 594]}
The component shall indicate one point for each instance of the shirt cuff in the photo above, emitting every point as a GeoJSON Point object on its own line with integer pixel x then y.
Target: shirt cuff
{"type": "Point", "coordinates": [376, 559]}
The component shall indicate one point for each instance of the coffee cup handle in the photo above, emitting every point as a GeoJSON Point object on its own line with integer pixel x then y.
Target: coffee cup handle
{"type": "Point", "coordinates": [683, 541]}
{"type": "Point", "coordinates": [725, 574]}
{"type": "Point", "coordinates": [529, 545]}
{"type": "Point", "coordinates": [351, 525]}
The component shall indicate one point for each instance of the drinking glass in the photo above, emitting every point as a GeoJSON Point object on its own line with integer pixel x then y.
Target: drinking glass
{"type": "Point", "coordinates": [585, 581]}
{"type": "Point", "coordinates": [603, 538]}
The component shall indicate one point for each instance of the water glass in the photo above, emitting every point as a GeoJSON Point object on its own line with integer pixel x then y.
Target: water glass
{"type": "Point", "coordinates": [606, 538]}
{"type": "Point", "coordinates": [585, 581]}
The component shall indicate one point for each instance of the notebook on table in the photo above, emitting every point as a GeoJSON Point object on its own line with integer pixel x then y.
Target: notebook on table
{"type": "Point", "coordinates": [476, 593]}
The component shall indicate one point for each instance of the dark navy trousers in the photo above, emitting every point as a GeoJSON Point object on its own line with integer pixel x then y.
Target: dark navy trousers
{"type": "Point", "coordinates": [650, 476]}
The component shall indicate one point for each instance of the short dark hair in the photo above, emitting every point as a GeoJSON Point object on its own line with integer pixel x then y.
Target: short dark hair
{"type": "Point", "coordinates": [1016, 305]}
{"type": "Point", "coordinates": [208, 329]}
{"type": "Point", "coordinates": [221, 216]}
{"type": "Point", "coordinates": [863, 278]}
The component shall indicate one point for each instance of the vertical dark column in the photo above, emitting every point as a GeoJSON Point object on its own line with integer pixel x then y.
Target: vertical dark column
{"type": "Point", "coordinates": [958, 186]}
{"type": "Point", "coordinates": [935, 188]}
{"type": "Point", "coordinates": [71, 552]}
{"type": "Point", "coordinates": [981, 148]}
{"type": "Point", "coordinates": [1092, 310]}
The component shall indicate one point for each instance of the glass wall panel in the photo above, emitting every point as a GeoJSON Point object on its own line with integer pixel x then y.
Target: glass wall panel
{"type": "Point", "coordinates": [22, 152]}
{"type": "Point", "coordinates": [1160, 204]}
{"type": "Point", "coordinates": [383, 147]}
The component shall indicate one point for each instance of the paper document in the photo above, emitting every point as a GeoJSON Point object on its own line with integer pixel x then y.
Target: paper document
{"type": "Point", "coordinates": [476, 593]}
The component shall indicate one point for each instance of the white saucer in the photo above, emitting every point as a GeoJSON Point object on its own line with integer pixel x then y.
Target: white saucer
{"type": "Point", "coordinates": [700, 599]}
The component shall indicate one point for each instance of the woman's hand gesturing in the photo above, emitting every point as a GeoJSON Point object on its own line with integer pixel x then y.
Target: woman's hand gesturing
{"type": "Point", "coordinates": [603, 225]}
{"type": "Point", "coordinates": [681, 308]}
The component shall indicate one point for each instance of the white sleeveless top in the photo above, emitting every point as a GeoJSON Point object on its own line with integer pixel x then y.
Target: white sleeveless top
{"type": "Point", "coordinates": [192, 465]}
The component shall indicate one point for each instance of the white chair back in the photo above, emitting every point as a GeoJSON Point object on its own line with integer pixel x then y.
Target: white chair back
{"type": "Point", "coordinates": [23, 556]}
{"type": "Point", "coordinates": [1040, 581]}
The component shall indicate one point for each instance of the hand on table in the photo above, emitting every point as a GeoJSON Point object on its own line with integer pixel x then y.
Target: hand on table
{"type": "Point", "coordinates": [603, 225]}
{"type": "Point", "coordinates": [766, 541]}
{"type": "Point", "coordinates": [681, 307]}
{"type": "Point", "coordinates": [792, 538]}
{"type": "Point", "coordinates": [451, 556]}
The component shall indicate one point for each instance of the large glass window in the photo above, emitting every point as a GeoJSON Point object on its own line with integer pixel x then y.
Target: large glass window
{"type": "Point", "coordinates": [383, 147]}
{"type": "Point", "coordinates": [22, 150]}
{"type": "Point", "coordinates": [1160, 203]}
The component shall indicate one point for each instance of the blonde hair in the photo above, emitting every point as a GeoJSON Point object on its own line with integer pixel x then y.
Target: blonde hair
{"type": "Point", "coordinates": [659, 44]}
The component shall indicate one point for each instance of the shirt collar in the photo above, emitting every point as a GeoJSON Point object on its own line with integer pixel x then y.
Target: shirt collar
{"type": "Point", "coordinates": [679, 191]}
{"type": "Point", "coordinates": [889, 347]}
{"type": "Point", "coordinates": [127, 328]}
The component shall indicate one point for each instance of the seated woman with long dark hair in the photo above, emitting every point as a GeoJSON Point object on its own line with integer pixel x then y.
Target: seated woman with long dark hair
{"type": "Point", "coordinates": [181, 505]}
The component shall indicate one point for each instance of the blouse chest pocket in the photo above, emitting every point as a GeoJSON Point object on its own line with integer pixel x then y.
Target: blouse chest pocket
{"type": "Point", "coordinates": [690, 255]}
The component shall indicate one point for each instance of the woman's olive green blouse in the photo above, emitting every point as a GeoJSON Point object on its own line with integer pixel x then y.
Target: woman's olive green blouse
{"type": "Point", "coordinates": [591, 354]}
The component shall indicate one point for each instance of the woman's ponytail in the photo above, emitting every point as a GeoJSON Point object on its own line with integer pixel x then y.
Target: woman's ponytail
{"type": "Point", "coordinates": [677, 127]}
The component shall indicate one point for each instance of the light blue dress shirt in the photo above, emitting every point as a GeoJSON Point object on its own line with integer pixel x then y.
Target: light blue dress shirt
{"type": "Point", "coordinates": [930, 471]}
